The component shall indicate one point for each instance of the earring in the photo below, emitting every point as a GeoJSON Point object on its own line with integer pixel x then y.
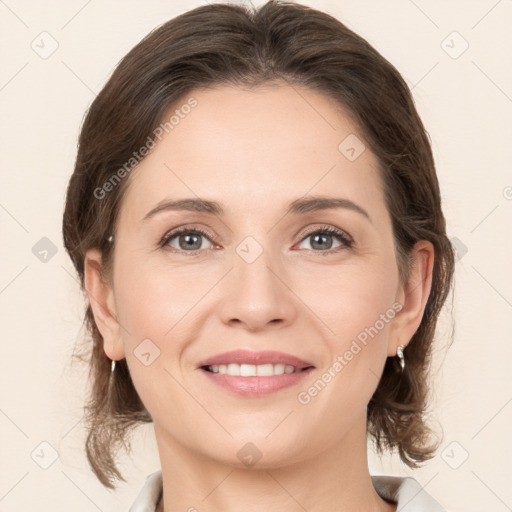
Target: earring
{"type": "Point", "coordinates": [110, 238]}
{"type": "Point", "coordinates": [111, 376]}
{"type": "Point", "coordinates": [400, 354]}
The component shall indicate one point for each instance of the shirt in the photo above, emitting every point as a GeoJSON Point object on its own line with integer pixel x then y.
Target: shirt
{"type": "Point", "coordinates": [405, 491]}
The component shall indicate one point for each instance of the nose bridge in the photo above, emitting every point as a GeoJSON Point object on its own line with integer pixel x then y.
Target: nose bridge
{"type": "Point", "coordinates": [257, 294]}
{"type": "Point", "coordinates": [253, 263]}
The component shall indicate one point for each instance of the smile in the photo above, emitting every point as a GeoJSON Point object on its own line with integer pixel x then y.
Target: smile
{"type": "Point", "coordinates": [251, 370]}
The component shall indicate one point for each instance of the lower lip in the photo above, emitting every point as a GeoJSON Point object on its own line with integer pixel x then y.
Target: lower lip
{"type": "Point", "coordinates": [255, 386]}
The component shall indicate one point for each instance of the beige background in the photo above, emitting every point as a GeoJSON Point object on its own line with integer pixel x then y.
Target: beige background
{"type": "Point", "coordinates": [466, 104]}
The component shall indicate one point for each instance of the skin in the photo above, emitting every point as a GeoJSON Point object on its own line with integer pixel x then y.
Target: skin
{"type": "Point", "coordinates": [255, 151]}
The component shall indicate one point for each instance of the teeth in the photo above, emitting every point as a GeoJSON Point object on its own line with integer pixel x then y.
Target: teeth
{"type": "Point", "coordinates": [251, 370]}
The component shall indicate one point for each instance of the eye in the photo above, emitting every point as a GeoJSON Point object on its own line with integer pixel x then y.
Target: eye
{"type": "Point", "coordinates": [187, 240]}
{"type": "Point", "coordinates": [321, 239]}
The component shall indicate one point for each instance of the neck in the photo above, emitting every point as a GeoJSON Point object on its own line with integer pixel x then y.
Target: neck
{"type": "Point", "coordinates": [336, 480]}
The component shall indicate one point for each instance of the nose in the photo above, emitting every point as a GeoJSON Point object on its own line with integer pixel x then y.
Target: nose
{"type": "Point", "coordinates": [257, 295]}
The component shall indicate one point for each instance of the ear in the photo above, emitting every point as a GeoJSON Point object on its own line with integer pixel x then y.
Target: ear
{"type": "Point", "coordinates": [101, 298]}
{"type": "Point", "coordinates": [412, 296]}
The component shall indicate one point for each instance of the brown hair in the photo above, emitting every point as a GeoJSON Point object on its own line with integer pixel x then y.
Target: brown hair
{"type": "Point", "coordinates": [280, 41]}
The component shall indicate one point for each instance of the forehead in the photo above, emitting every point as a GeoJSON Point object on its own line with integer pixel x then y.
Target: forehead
{"type": "Point", "coordinates": [253, 147]}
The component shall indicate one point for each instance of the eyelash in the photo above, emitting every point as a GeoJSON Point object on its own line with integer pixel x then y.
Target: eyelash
{"type": "Point", "coordinates": [342, 236]}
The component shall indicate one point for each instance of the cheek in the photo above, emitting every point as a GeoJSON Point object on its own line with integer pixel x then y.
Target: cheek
{"type": "Point", "coordinates": [359, 312]}
{"type": "Point", "coordinates": [153, 301]}
{"type": "Point", "coordinates": [348, 298]}
{"type": "Point", "coordinates": [155, 306]}
{"type": "Point", "coordinates": [355, 306]}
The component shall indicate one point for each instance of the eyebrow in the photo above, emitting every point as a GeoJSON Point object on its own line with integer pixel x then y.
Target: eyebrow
{"type": "Point", "coordinates": [298, 207]}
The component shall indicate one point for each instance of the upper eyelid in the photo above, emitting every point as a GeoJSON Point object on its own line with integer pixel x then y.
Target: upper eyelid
{"type": "Point", "coordinates": [186, 228]}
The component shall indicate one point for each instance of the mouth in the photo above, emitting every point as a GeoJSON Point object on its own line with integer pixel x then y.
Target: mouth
{"type": "Point", "coordinates": [248, 363]}
{"type": "Point", "coordinates": [250, 374]}
{"type": "Point", "coordinates": [251, 370]}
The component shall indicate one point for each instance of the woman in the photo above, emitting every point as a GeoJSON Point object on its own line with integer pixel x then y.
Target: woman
{"type": "Point", "coordinates": [256, 219]}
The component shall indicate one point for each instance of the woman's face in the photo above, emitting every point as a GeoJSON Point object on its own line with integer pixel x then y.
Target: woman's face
{"type": "Point", "coordinates": [265, 277]}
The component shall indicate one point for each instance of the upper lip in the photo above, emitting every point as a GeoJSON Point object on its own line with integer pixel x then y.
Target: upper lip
{"type": "Point", "coordinates": [255, 358]}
